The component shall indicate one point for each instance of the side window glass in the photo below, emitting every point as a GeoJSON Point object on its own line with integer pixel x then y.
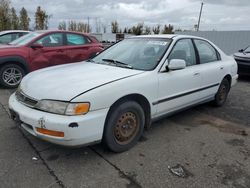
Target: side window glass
{"type": "Point", "coordinates": [51, 40]}
{"type": "Point", "coordinates": [4, 39]}
{"type": "Point", "coordinates": [184, 49]}
{"type": "Point", "coordinates": [75, 39]}
{"type": "Point", "coordinates": [14, 36]}
{"type": "Point", "coordinates": [206, 51]}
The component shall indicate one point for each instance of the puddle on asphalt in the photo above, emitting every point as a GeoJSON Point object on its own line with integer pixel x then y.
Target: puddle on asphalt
{"type": "Point", "coordinates": [224, 126]}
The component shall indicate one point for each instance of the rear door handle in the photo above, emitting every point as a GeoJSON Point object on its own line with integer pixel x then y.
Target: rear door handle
{"type": "Point", "coordinates": [196, 74]}
{"type": "Point", "coordinates": [221, 68]}
{"type": "Point", "coordinates": [59, 50]}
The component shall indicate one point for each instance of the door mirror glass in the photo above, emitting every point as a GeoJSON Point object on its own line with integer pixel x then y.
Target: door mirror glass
{"type": "Point", "coordinates": [176, 64]}
{"type": "Point", "coordinates": [36, 46]}
{"type": "Point", "coordinates": [241, 50]}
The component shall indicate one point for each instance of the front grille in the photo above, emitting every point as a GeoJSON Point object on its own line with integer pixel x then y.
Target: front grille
{"type": "Point", "coordinates": [26, 100]}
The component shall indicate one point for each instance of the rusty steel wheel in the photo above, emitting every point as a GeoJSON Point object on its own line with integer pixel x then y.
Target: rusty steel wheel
{"type": "Point", "coordinates": [124, 126]}
{"type": "Point", "coordinates": [221, 95]}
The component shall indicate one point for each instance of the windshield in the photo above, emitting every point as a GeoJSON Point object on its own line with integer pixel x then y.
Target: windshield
{"type": "Point", "coordinates": [25, 39]}
{"type": "Point", "coordinates": [247, 50]}
{"type": "Point", "coordinates": [136, 53]}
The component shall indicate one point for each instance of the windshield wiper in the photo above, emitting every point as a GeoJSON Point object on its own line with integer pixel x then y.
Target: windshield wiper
{"type": "Point", "coordinates": [118, 63]}
{"type": "Point", "coordinates": [90, 60]}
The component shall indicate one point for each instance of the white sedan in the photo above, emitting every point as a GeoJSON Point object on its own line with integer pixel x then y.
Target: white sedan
{"type": "Point", "coordinates": [114, 96]}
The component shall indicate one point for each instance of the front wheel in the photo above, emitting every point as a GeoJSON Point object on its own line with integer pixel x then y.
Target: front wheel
{"type": "Point", "coordinates": [124, 126]}
{"type": "Point", "coordinates": [11, 75]}
{"type": "Point", "coordinates": [222, 93]}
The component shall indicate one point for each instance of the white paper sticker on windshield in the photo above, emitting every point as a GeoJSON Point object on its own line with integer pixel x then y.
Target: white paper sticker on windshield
{"type": "Point", "coordinates": [155, 42]}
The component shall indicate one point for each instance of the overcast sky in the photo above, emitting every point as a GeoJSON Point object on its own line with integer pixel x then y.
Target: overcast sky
{"type": "Point", "coordinates": [217, 14]}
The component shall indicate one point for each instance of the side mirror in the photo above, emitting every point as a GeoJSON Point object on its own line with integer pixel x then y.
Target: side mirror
{"type": "Point", "coordinates": [36, 46]}
{"type": "Point", "coordinates": [176, 64]}
{"type": "Point", "coordinates": [241, 50]}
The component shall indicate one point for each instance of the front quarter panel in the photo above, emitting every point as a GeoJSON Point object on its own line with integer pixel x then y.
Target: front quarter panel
{"type": "Point", "coordinates": [145, 84]}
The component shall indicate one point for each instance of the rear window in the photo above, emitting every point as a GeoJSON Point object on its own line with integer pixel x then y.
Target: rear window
{"type": "Point", "coordinates": [75, 39]}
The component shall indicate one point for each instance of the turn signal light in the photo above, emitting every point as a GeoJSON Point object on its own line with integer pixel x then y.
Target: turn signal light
{"type": "Point", "coordinates": [50, 132]}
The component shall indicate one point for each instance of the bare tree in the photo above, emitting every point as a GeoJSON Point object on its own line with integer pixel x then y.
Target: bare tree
{"type": "Point", "coordinates": [114, 27]}
{"type": "Point", "coordinates": [156, 29]}
{"type": "Point", "coordinates": [168, 29]}
{"type": "Point", "coordinates": [147, 30]}
{"type": "Point", "coordinates": [72, 25]}
{"type": "Point", "coordinates": [62, 25]}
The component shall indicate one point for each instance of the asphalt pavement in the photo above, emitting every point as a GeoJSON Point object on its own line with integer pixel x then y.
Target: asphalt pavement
{"type": "Point", "coordinates": [200, 147]}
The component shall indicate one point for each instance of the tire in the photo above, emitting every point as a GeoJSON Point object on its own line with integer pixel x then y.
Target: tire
{"type": "Point", "coordinates": [222, 93]}
{"type": "Point", "coordinates": [11, 75]}
{"type": "Point", "coordinates": [124, 126]}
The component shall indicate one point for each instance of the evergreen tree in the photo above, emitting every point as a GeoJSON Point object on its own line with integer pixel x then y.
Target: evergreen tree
{"type": "Point", "coordinates": [138, 29]}
{"type": "Point", "coordinates": [14, 19]}
{"type": "Point", "coordinates": [24, 20]}
{"type": "Point", "coordinates": [41, 19]}
{"type": "Point", "coordinates": [5, 20]}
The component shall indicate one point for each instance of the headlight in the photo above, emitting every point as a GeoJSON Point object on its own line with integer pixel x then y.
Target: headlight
{"type": "Point", "coordinates": [63, 108]}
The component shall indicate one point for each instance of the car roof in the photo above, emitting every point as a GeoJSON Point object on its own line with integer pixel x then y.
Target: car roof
{"type": "Point", "coordinates": [58, 31]}
{"type": "Point", "coordinates": [167, 36]}
{"type": "Point", "coordinates": [13, 31]}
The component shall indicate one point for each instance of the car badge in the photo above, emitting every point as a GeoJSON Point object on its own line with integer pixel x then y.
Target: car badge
{"type": "Point", "coordinates": [41, 122]}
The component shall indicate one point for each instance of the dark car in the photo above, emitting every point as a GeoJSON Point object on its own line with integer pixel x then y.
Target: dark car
{"type": "Point", "coordinates": [243, 61]}
{"type": "Point", "coordinates": [11, 35]}
{"type": "Point", "coordinates": [41, 49]}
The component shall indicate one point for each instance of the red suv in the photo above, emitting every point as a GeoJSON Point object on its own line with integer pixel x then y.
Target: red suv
{"type": "Point", "coordinates": [41, 49]}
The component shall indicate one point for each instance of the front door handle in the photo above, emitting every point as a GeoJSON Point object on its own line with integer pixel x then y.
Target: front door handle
{"type": "Point", "coordinates": [221, 68]}
{"type": "Point", "coordinates": [59, 50]}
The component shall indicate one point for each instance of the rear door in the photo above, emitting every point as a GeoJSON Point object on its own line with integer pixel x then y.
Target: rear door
{"type": "Point", "coordinates": [52, 53]}
{"type": "Point", "coordinates": [78, 47]}
{"type": "Point", "coordinates": [211, 68]}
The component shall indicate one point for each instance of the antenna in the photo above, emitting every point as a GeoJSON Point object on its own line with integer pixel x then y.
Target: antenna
{"type": "Point", "coordinates": [198, 26]}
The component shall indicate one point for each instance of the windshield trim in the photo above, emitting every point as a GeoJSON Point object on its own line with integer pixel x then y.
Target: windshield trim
{"type": "Point", "coordinates": [144, 38]}
{"type": "Point", "coordinates": [246, 49]}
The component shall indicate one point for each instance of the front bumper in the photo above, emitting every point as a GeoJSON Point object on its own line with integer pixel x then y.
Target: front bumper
{"type": "Point", "coordinates": [88, 128]}
{"type": "Point", "coordinates": [243, 67]}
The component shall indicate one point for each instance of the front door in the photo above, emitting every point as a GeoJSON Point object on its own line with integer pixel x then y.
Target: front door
{"type": "Point", "coordinates": [179, 88]}
{"type": "Point", "coordinates": [52, 53]}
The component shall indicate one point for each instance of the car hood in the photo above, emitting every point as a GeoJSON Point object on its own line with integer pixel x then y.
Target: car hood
{"type": "Point", "coordinates": [67, 81]}
{"type": "Point", "coordinates": [242, 55]}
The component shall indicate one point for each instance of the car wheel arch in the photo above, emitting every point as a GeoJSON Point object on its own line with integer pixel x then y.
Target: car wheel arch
{"type": "Point", "coordinates": [141, 100]}
{"type": "Point", "coordinates": [229, 79]}
{"type": "Point", "coordinates": [15, 60]}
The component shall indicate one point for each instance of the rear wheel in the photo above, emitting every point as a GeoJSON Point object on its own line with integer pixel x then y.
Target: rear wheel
{"type": "Point", "coordinates": [222, 93]}
{"type": "Point", "coordinates": [124, 126]}
{"type": "Point", "coordinates": [11, 75]}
